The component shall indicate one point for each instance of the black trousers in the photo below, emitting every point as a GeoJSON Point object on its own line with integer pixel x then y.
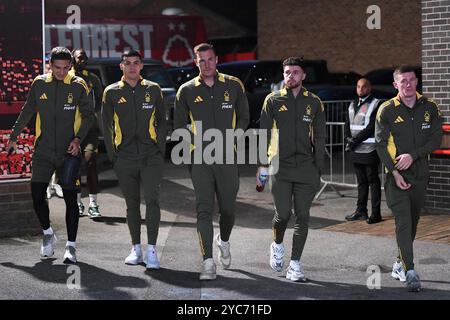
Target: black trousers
{"type": "Point", "coordinates": [367, 176]}
{"type": "Point", "coordinates": [40, 204]}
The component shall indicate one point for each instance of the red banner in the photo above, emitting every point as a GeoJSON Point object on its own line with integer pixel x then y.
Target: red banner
{"type": "Point", "coordinates": [166, 38]}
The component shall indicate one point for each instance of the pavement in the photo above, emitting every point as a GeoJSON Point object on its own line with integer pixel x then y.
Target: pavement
{"type": "Point", "coordinates": [337, 263]}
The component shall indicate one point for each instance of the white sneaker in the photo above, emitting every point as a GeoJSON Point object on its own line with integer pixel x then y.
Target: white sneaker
{"type": "Point", "coordinates": [49, 192]}
{"type": "Point", "coordinates": [224, 252]}
{"type": "Point", "coordinates": [135, 256]}
{"type": "Point", "coordinates": [152, 258]}
{"type": "Point", "coordinates": [58, 190]}
{"type": "Point", "coordinates": [81, 208]}
{"type": "Point", "coordinates": [93, 211]}
{"type": "Point", "coordinates": [70, 256]}
{"type": "Point", "coordinates": [398, 272]}
{"type": "Point", "coordinates": [295, 271]}
{"type": "Point", "coordinates": [208, 270]}
{"type": "Point", "coordinates": [48, 241]}
{"type": "Point", "coordinates": [276, 256]}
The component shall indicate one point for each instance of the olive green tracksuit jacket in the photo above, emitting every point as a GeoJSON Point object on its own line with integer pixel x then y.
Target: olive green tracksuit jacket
{"type": "Point", "coordinates": [301, 125]}
{"type": "Point", "coordinates": [222, 106]}
{"type": "Point", "coordinates": [94, 84]}
{"type": "Point", "coordinates": [63, 111]}
{"type": "Point", "coordinates": [95, 93]}
{"type": "Point", "coordinates": [134, 121]}
{"type": "Point", "coordinates": [417, 131]}
{"type": "Point", "coordinates": [299, 145]}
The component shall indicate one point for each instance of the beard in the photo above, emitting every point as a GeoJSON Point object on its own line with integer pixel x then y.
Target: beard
{"type": "Point", "coordinates": [293, 84]}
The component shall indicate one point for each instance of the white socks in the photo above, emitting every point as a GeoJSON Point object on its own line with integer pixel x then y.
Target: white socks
{"type": "Point", "coordinates": [48, 231]}
{"type": "Point", "coordinates": [70, 243]}
{"type": "Point", "coordinates": [92, 200]}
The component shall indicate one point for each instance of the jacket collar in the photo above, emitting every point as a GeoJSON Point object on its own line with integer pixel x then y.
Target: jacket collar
{"type": "Point", "coordinates": [122, 82]}
{"type": "Point", "coordinates": [219, 77]}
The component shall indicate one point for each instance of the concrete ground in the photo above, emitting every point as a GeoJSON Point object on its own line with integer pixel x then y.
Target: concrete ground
{"type": "Point", "coordinates": [335, 263]}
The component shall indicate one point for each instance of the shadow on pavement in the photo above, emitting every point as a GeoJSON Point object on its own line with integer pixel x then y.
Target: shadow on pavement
{"type": "Point", "coordinates": [96, 283]}
{"type": "Point", "coordinates": [278, 288]}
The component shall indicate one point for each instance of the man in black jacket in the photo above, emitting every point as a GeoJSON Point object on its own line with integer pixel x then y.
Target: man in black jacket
{"type": "Point", "coordinates": [360, 142]}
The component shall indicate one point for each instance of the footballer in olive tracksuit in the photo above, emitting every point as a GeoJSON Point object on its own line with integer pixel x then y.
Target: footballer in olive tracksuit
{"type": "Point", "coordinates": [90, 143]}
{"type": "Point", "coordinates": [300, 149]}
{"type": "Point", "coordinates": [416, 131]}
{"type": "Point", "coordinates": [134, 126]}
{"type": "Point", "coordinates": [89, 147]}
{"type": "Point", "coordinates": [222, 106]}
{"type": "Point", "coordinates": [63, 112]}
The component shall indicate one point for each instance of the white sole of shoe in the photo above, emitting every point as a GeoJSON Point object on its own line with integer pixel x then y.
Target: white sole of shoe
{"type": "Point", "coordinates": [208, 276]}
{"type": "Point", "coordinates": [69, 261]}
{"type": "Point", "coordinates": [153, 266]}
{"type": "Point", "coordinates": [397, 277]}
{"type": "Point", "coordinates": [133, 263]}
{"type": "Point", "coordinates": [289, 277]}
{"type": "Point", "coordinates": [277, 268]}
{"type": "Point", "coordinates": [46, 256]}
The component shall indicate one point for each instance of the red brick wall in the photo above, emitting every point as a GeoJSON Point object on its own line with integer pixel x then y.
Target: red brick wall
{"type": "Point", "coordinates": [337, 31]}
{"type": "Point", "coordinates": [17, 216]}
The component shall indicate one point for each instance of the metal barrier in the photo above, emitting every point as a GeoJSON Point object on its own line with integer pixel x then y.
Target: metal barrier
{"type": "Point", "coordinates": [335, 110]}
{"type": "Point", "coordinates": [335, 146]}
{"type": "Point", "coordinates": [339, 172]}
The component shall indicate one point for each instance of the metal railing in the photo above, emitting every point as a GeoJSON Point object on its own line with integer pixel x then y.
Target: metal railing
{"type": "Point", "coordinates": [339, 171]}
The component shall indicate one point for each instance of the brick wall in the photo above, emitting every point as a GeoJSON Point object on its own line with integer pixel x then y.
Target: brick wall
{"type": "Point", "coordinates": [337, 31]}
{"type": "Point", "coordinates": [17, 216]}
{"type": "Point", "coordinates": [438, 191]}
{"type": "Point", "coordinates": [436, 85]}
{"type": "Point", "coordinates": [436, 53]}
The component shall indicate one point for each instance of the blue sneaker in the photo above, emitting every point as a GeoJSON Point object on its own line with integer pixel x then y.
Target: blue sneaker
{"type": "Point", "coordinates": [413, 281]}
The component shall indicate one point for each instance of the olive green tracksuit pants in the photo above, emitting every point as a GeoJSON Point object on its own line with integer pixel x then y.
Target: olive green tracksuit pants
{"type": "Point", "coordinates": [406, 206]}
{"type": "Point", "coordinates": [131, 175]}
{"type": "Point", "coordinates": [221, 180]}
{"type": "Point", "coordinates": [300, 185]}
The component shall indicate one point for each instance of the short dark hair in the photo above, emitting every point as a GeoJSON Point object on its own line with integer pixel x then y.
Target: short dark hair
{"type": "Point", "coordinates": [131, 53]}
{"type": "Point", "coordinates": [81, 51]}
{"type": "Point", "coordinates": [203, 47]}
{"type": "Point", "coordinates": [403, 69]}
{"type": "Point", "coordinates": [293, 61]}
{"type": "Point", "coordinates": [60, 53]}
